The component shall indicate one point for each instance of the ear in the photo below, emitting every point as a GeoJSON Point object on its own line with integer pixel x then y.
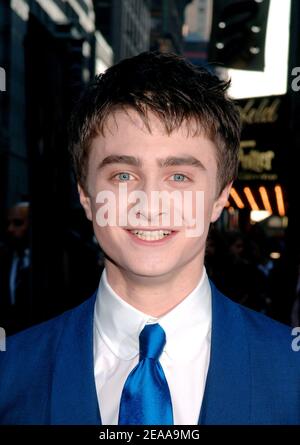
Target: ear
{"type": "Point", "coordinates": [85, 201]}
{"type": "Point", "coordinates": [220, 203]}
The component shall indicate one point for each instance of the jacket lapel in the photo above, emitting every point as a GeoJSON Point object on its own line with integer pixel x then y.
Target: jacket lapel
{"type": "Point", "coordinates": [227, 396]}
{"type": "Point", "coordinates": [74, 398]}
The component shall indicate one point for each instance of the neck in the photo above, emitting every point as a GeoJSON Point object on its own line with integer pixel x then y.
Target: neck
{"type": "Point", "coordinates": [154, 296]}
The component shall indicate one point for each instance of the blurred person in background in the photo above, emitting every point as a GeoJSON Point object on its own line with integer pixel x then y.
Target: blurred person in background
{"type": "Point", "coordinates": [15, 270]}
{"type": "Point", "coordinates": [244, 282]}
{"type": "Point", "coordinates": [215, 256]}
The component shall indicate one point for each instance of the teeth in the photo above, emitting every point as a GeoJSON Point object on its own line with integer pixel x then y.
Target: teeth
{"type": "Point", "coordinates": [152, 235]}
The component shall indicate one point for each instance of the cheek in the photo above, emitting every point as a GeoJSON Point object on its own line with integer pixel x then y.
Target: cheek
{"type": "Point", "coordinates": [191, 247]}
{"type": "Point", "coordinates": [197, 211]}
{"type": "Point", "coordinates": [207, 190]}
{"type": "Point", "coordinates": [107, 238]}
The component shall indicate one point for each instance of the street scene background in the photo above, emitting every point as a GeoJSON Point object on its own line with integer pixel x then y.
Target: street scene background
{"type": "Point", "coordinates": [49, 50]}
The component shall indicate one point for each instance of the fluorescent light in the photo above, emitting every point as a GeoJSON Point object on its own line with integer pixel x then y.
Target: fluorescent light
{"type": "Point", "coordinates": [259, 215]}
{"type": "Point", "coordinates": [235, 196]}
{"type": "Point", "coordinates": [275, 255]}
{"type": "Point", "coordinates": [251, 199]}
{"type": "Point", "coordinates": [265, 199]}
{"type": "Point", "coordinates": [279, 199]}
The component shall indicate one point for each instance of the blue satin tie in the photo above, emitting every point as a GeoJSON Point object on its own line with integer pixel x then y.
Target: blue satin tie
{"type": "Point", "coordinates": [145, 398]}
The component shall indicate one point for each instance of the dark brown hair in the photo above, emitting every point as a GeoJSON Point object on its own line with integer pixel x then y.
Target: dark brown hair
{"type": "Point", "coordinates": [174, 90]}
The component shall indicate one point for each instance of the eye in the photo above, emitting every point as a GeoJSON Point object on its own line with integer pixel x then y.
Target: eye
{"type": "Point", "coordinates": [123, 176]}
{"type": "Point", "coordinates": [179, 177]}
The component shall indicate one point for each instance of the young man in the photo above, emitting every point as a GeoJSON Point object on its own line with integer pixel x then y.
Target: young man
{"type": "Point", "coordinates": [157, 343]}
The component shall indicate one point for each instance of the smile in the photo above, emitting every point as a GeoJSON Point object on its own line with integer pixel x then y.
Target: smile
{"type": "Point", "coordinates": [151, 235]}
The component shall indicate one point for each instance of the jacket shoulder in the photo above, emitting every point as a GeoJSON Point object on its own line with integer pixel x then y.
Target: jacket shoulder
{"type": "Point", "coordinates": [269, 342]}
{"type": "Point", "coordinates": [46, 334]}
{"type": "Point", "coordinates": [264, 329]}
{"type": "Point", "coordinates": [30, 355]}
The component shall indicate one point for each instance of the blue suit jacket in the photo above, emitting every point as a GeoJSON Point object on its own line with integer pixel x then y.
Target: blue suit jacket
{"type": "Point", "coordinates": [47, 377]}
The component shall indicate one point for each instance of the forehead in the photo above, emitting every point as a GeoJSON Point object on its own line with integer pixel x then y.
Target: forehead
{"type": "Point", "coordinates": [149, 124]}
{"type": "Point", "coordinates": [125, 132]}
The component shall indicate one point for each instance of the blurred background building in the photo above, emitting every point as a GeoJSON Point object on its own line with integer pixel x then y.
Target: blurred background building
{"type": "Point", "coordinates": [49, 49]}
{"type": "Point", "coordinates": [125, 24]}
{"type": "Point", "coordinates": [167, 19]}
{"type": "Point", "coordinates": [196, 30]}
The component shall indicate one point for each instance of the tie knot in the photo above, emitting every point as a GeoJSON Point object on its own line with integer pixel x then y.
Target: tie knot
{"type": "Point", "coordinates": [152, 341]}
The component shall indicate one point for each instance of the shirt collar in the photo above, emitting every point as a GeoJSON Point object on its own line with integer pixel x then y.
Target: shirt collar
{"type": "Point", "coordinates": [119, 324]}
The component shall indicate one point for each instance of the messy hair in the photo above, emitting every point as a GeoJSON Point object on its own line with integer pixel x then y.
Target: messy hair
{"type": "Point", "coordinates": [172, 89]}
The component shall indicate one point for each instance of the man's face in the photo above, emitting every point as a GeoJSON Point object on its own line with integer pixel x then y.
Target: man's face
{"type": "Point", "coordinates": [18, 225]}
{"type": "Point", "coordinates": [190, 167]}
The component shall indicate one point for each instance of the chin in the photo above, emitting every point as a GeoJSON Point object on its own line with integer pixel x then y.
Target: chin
{"type": "Point", "coordinates": [147, 270]}
{"type": "Point", "coordinates": [149, 275]}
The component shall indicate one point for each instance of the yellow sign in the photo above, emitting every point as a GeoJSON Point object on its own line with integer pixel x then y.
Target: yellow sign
{"type": "Point", "coordinates": [265, 112]}
{"type": "Point", "coordinates": [255, 160]}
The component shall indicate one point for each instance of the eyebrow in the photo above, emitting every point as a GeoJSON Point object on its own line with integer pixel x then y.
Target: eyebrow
{"type": "Point", "coordinates": [184, 160]}
{"type": "Point", "coordinates": [170, 161]}
{"type": "Point", "coordinates": [120, 159]}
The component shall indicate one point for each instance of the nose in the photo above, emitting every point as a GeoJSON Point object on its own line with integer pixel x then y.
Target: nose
{"type": "Point", "coordinates": [151, 208]}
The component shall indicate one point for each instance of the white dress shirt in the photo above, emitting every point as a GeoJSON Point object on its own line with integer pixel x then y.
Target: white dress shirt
{"type": "Point", "coordinates": [185, 357]}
